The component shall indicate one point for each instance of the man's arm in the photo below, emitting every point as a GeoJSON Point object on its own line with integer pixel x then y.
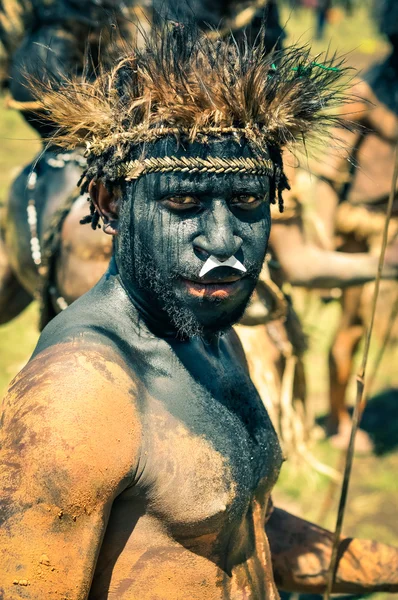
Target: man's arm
{"type": "Point", "coordinates": [301, 553]}
{"type": "Point", "coordinates": [69, 441]}
{"type": "Point", "coordinates": [308, 265]}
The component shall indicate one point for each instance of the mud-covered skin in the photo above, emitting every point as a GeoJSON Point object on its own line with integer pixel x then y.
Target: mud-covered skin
{"type": "Point", "coordinates": [160, 244]}
{"type": "Point", "coordinates": [196, 462]}
{"type": "Point", "coordinates": [135, 466]}
{"type": "Point", "coordinates": [301, 554]}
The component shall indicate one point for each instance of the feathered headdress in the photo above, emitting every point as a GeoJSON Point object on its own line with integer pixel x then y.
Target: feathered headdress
{"type": "Point", "coordinates": [185, 85]}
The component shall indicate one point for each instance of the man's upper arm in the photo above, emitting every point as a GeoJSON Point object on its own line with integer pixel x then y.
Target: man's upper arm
{"type": "Point", "coordinates": [70, 438]}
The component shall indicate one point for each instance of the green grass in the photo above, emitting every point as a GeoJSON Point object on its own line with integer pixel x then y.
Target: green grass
{"type": "Point", "coordinates": [17, 341]}
{"type": "Point", "coordinates": [18, 144]}
{"type": "Point", "coordinates": [352, 35]}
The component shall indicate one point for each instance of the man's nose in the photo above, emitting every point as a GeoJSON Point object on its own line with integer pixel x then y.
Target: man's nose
{"type": "Point", "coordinates": [217, 236]}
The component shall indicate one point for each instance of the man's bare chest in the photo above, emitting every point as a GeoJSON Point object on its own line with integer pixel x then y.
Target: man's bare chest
{"type": "Point", "coordinates": [206, 451]}
{"type": "Point", "coordinates": [198, 506]}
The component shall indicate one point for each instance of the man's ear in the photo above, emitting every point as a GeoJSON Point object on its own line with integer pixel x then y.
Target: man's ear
{"type": "Point", "coordinates": [106, 204]}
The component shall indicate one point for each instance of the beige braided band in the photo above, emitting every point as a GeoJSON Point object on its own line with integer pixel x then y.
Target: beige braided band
{"type": "Point", "coordinates": [251, 166]}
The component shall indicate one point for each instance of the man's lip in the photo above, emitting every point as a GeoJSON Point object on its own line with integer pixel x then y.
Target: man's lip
{"type": "Point", "coordinates": [220, 289]}
{"type": "Point", "coordinates": [214, 280]}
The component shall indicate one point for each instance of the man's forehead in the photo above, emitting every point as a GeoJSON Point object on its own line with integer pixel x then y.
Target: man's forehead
{"type": "Point", "coordinates": [224, 147]}
{"type": "Point", "coordinates": [211, 184]}
{"type": "Point", "coordinates": [205, 182]}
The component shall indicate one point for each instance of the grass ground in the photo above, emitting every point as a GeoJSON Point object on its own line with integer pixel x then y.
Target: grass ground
{"type": "Point", "coordinates": [372, 505]}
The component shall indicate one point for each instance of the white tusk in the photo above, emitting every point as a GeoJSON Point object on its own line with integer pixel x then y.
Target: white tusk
{"type": "Point", "coordinates": [213, 263]}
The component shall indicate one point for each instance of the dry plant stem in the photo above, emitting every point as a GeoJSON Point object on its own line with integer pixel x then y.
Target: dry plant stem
{"type": "Point", "coordinates": [360, 398]}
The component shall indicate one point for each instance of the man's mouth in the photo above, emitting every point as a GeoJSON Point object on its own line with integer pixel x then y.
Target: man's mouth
{"type": "Point", "coordinates": [213, 287]}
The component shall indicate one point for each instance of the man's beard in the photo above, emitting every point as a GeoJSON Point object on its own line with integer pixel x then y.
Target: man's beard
{"type": "Point", "coordinates": [180, 315]}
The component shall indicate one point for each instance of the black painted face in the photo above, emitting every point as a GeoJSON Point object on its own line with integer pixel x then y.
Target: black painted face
{"type": "Point", "coordinates": [176, 221]}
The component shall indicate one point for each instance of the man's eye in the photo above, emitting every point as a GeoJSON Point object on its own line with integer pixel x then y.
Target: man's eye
{"type": "Point", "coordinates": [181, 202]}
{"type": "Point", "coordinates": [246, 201]}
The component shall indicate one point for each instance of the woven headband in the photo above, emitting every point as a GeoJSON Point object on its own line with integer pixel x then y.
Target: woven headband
{"type": "Point", "coordinates": [134, 169]}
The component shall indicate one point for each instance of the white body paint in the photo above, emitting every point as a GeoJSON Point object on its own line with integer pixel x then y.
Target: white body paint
{"type": "Point", "coordinates": [213, 263]}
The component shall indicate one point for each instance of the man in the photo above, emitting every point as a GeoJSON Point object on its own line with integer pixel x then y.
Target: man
{"type": "Point", "coordinates": [354, 188]}
{"type": "Point", "coordinates": [56, 35]}
{"type": "Point", "coordinates": [43, 251]}
{"type": "Point", "coordinates": [137, 457]}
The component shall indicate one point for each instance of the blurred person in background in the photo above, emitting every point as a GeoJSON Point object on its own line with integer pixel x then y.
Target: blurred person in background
{"type": "Point", "coordinates": [353, 189]}
{"type": "Point", "coordinates": [322, 10]}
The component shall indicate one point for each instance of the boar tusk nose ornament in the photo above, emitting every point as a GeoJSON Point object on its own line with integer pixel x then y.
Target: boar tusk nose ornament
{"type": "Point", "coordinates": [213, 263]}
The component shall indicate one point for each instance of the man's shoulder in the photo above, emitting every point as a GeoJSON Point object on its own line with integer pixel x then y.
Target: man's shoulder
{"type": "Point", "coordinates": [72, 413]}
{"type": "Point", "coordinates": [99, 317]}
{"type": "Point", "coordinates": [77, 391]}
{"type": "Point", "coordinates": [79, 369]}
{"type": "Point", "coordinates": [90, 348]}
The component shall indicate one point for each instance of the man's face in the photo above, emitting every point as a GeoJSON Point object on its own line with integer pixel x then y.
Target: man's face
{"type": "Point", "coordinates": [177, 221]}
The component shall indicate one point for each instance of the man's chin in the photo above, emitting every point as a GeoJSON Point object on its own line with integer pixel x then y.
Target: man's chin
{"type": "Point", "coordinates": [189, 325]}
{"type": "Point", "coordinates": [211, 313]}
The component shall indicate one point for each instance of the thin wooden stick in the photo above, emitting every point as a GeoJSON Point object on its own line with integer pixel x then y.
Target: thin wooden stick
{"type": "Point", "coordinates": [360, 398]}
